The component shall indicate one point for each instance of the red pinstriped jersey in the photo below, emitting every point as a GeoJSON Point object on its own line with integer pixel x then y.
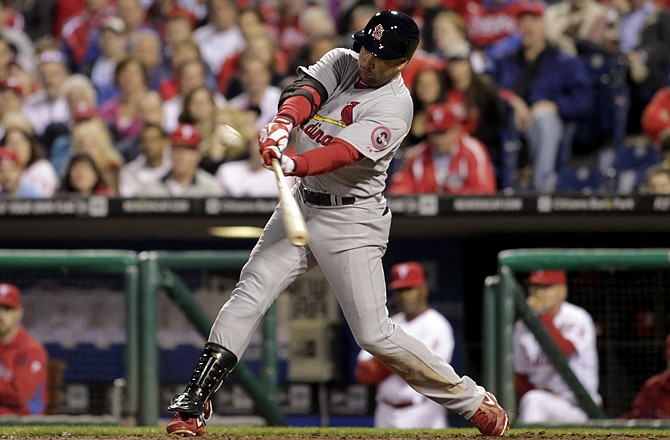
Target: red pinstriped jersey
{"type": "Point", "coordinates": [23, 376]}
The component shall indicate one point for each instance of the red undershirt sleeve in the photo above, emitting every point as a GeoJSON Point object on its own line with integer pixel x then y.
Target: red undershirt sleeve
{"type": "Point", "coordinates": [564, 345]}
{"type": "Point", "coordinates": [323, 160]}
{"type": "Point", "coordinates": [298, 108]}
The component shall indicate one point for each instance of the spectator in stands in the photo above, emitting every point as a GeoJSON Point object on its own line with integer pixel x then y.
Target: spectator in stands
{"type": "Point", "coordinates": [546, 88]}
{"type": "Point", "coordinates": [113, 42]}
{"type": "Point", "coordinates": [475, 99]}
{"type": "Point", "coordinates": [492, 26]}
{"type": "Point", "coordinates": [644, 37]}
{"type": "Point", "coordinates": [133, 15]}
{"type": "Point", "coordinates": [83, 178]}
{"type": "Point", "coordinates": [23, 360]}
{"type": "Point", "coordinates": [312, 51]}
{"type": "Point", "coordinates": [574, 22]}
{"type": "Point", "coordinates": [179, 27]}
{"type": "Point", "coordinates": [258, 93]}
{"type": "Point", "coordinates": [544, 395]}
{"type": "Point", "coordinates": [657, 180]}
{"type": "Point", "coordinates": [450, 161]}
{"type": "Point", "coordinates": [11, 96]}
{"type": "Point", "coordinates": [38, 16]}
{"type": "Point", "coordinates": [429, 87]}
{"type": "Point", "coordinates": [92, 136]}
{"type": "Point", "coordinates": [145, 45]}
{"type": "Point", "coordinates": [262, 47]}
{"type": "Point", "coordinates": [656, 120]}
{"type": "Point", "coordinates": [651, 401]}
{"type": "Point", "coordinates": [192, 73]}
{"type": "Point", "coordinates": [10, 177]}
{"type": "Point", "coordinates": [201, 110]}
{"type": "Point", "coordinates": [160, 10]}
{"type": "Point", "coordinates": [397, 404]}
{"type": "Point", "coordinates": [220, 38]}
{"type": "Point", "coordinates": [258, 181]}
{"type": "Point", "coordinates": [80, 33]}
{"type": "Point", "coordinates": [185, 178]}
{"type": "Point", "coordinates": [81, 97]}
{"type": "Point", "coordinates": [283, 22]}
{"type": "Point", "coordinates": [37, 171]}
{"type": "Point", "coordinates": [46, 105]}
{"type": "Point", "coordinates": [6, 57]}
{"type": "Point", "coordinates": [154, 161]}
{"type": "Point", "coordinates": [121, 112]}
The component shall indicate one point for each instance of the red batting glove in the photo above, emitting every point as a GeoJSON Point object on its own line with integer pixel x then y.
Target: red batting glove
{"type": "Point", "coordinates": [275, 134]}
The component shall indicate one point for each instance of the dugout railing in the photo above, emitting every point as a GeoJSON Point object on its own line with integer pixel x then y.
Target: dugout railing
{"type": "Point", "coordinates": [145, 276]}
{"type": "Point", "coordinates": [504, 301]}
{"type": "Point", "coordinates": [121, 262]}
{"type": "Point", "coordinates": [159, 272]}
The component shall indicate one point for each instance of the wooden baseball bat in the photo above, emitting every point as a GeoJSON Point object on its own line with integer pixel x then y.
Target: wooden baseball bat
{"type": "Point", "coordinates": [294, 222]}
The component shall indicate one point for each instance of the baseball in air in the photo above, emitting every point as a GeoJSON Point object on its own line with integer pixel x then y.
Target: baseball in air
{"type": "Point", "coordinates": [228, 136]}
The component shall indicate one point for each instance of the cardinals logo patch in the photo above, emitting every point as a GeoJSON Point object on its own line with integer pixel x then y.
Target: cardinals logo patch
{"type": "Point", "coordinates": [347, 113]}
{"type": "Point", "coordinates": [378, 32]}
{"type": "Point", "coordinates": [381, 138]}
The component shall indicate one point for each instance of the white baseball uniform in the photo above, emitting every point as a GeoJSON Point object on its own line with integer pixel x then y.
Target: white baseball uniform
{"type": "Point", "coordinates": [552, 400]}
{"type": "Point", "coordinates": [349, 237]}
{"type": "Point", "coordinates": [398, 405]}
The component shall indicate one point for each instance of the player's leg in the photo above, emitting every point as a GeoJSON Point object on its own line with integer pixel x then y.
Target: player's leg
{"type": "Point", "coordinates": [273, 265]}
{"type": "Point", "coordinates": [357, 278]}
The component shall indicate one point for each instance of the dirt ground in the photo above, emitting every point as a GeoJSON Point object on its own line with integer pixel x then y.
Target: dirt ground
{"type": "Point", "coordinates": [515, 435]}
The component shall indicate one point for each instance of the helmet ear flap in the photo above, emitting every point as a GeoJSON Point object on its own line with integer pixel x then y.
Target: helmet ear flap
{"type": "Point", "coordinates": [357, 47]}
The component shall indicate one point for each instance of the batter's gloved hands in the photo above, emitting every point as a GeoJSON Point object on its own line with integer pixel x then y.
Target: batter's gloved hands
{"type": "Point", "coordinates": [275, 134]}
{"type": "Point", "coordinates": [286, 163]}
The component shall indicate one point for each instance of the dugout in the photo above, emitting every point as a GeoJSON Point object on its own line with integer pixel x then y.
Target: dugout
{"type": "Point", "coordinates": [458, 238]}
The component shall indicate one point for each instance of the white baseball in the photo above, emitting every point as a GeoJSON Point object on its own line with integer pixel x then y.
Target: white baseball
{"type": "Point", "coordinates": [228, 136]}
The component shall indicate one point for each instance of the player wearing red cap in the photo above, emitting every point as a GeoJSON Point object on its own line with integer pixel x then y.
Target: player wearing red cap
{"type": "Point", "coordinates": [23, 360]}
{"type": "Point", "coordinates": [398, 405]}
{"type": "Point", "coordinates": [545, 397]}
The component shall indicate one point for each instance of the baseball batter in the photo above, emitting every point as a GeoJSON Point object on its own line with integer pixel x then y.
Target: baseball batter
{"type": "Point", "coordinates": [398, 404]}
{"type": "Point", "coordinates": [352, 111]}
{"type": "Point", "coordinates": [545, 397]}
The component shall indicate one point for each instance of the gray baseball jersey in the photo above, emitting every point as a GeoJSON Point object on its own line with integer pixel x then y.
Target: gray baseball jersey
{"type": "Point", "coordinates": [374, 121]}
{"type": "Point", "coordinates": [347, 240]}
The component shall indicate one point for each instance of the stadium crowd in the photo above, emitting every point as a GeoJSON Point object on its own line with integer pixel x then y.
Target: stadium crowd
{"type": "Point", "coordinates": [509, 95]}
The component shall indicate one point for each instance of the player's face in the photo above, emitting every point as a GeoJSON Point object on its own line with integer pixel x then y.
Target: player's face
{"type": "Point", "coordinates": [9, 319]}
{"type": "Point", "coordinates": [376, 72]}
{"type": "Point", "coordinates": [411, 301]}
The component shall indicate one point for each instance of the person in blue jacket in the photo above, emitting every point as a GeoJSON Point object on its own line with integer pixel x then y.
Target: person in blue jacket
{"type": "Point", "coordinates": [547, 89]}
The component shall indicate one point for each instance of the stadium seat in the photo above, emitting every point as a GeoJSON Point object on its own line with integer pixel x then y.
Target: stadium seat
{"type": "Point", "coordinates": [579, 179]}
{"type": "Point", "coordinates": [630, 162]}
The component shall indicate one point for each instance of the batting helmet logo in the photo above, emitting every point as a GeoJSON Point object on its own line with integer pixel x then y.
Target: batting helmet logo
{"type": "Point", "coordinates": [388, 35]}
{"type": "Point", "coordinates": [378, 32]}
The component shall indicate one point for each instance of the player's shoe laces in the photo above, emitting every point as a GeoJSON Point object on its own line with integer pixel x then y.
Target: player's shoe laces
{"type": "Point", "coordinates": [185, 424]}
{"type": "Point", "coordinates": [491, 419]}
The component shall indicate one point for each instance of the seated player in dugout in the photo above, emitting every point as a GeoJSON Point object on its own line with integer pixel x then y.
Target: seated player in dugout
{"type": "Point", "coordinates": [397, 404]}
{"type": "Point", "coordinates": [23, 360]}
{"type": "Point", "coordinates": [544, 395]}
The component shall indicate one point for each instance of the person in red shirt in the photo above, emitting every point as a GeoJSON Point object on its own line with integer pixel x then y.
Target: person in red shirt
{"type": "Point", "coordinates": [653, 399]}
{"type": "Point", "coordinates": [450, 161]}
{"type": "Point", "coordinates": [656, 120]}
{"type": "Point", "coordinates": [23, 360]}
